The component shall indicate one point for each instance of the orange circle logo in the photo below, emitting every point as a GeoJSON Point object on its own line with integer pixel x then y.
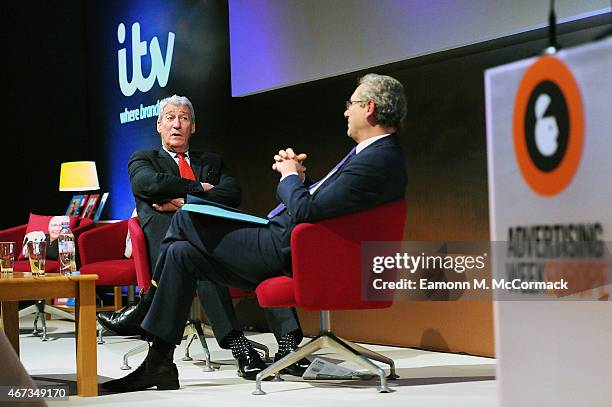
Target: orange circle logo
{"type": "Point", "coordinates": [548, 126]}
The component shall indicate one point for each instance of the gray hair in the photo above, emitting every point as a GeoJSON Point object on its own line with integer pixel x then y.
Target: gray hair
{"type": "Point", "coordinates": [175, 100]}
{"type": "Point", "coordinates": [388, 95]}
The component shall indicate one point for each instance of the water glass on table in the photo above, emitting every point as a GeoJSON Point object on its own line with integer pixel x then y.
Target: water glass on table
{"type": "Point", "coordinates": [37, 251]}
{"type": "Point", "coordinates": [7, 256]}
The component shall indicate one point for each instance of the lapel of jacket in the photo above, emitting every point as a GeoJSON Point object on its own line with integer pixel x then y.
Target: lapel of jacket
{"type": "Point", "coordinates": [196, 165]}
{"type": "Point", "coordinates": [391, 139]}
{"type": "Point", "coordinates": [167, 162]}
{"type": "Point", "coordinates": [333, 177]}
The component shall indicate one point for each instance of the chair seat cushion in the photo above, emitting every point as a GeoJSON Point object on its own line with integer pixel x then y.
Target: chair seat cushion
{"type": "Point", "coordinates": [112, 272]}
{"type": "Point", "coordinates": [276, 292]}
{"type": "Point", "coordinates": [23, 266]}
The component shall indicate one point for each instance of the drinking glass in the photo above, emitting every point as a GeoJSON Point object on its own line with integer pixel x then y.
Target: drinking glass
{"type": "Point", "coordinates": [37, 253]}
{"type": "Point", "coordinates": [7, 255]}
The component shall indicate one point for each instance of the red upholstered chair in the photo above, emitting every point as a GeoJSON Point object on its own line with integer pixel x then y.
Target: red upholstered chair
{"type": "Point", "coordinates": [102, 253]}
{"type": "Point", "coordinates": [326, 261]}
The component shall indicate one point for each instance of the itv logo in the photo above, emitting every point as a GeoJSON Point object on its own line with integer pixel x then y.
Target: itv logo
{"type": "Point", "coordinates": [160, 68]}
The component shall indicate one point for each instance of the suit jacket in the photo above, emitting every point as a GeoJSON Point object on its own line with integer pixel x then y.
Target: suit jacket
{"type": "Point", "coordinates": [374, 176]}
{"type": "Point", "coordinates": [155, 178]}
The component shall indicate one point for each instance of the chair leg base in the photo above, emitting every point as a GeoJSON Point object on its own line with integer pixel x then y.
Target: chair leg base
{"type": "Point", "coordinates": [199, 332]}
{"type": "Point", "coordinates": [372, 355]}
{"type": "Point", "coordinates": [352, 352]}
{"type": "Point", "coordinates": [384, 389]}
{"type": "Point", "coordinates": [277, 378]}
{"type": "Point", "coordinates": [187, 357]}
{"type": "Point", "coordinates": [143, 347]}
{"type": "Point", "coordinates": [193, 330]}
{"type": "Point", "coordinates": [41, 310]}
{"type": "Point", "coordinates": [100, 341]}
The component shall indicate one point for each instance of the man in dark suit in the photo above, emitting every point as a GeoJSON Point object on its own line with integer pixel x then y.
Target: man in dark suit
{"type": "Point", "coordinates": [239, 254]}
{"type": "Point", "coordinates": [160, 179]}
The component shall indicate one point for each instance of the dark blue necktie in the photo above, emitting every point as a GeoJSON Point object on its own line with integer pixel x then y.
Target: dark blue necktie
{"type": "Point", "coordinates": [281, 206]}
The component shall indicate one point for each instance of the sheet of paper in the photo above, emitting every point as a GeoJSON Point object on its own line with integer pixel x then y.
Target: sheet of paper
{"type": "Point", "coordinates": [323, 369]}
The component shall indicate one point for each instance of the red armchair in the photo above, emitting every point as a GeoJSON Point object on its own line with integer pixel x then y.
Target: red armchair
{"type": "Point", "coordinates": [102, 253]}
{"type": "Point", "coordinates": [326, 260]}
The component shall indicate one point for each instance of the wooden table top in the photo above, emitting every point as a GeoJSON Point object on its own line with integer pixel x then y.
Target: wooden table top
{"type": "Point", "coordinates": [25, 278]}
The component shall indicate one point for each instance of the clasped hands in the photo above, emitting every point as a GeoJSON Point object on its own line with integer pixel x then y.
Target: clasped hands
{"type": "Point", "coordinates": [287, 161]}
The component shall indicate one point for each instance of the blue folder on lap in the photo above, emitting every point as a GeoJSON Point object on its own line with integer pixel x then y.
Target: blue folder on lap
{"type": "Point", "coordinates": [206, 207]}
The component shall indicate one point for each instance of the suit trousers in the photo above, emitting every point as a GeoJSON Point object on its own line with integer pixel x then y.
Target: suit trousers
{"type": "Point", "coordinates": [220, 251]}
{"type": "Point", "coordinates": [216, 299]}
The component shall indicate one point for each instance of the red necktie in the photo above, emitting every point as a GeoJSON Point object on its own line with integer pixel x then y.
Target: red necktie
{"type": "Point", "coordinates": [184, 168]}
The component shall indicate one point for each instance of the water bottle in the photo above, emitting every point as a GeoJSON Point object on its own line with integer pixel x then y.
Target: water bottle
{"type": "Point", "coordinates": [66, 250]}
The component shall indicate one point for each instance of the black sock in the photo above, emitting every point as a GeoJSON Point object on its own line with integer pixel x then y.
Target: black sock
{"type": "Point", "coordinates": [161, 352]}
{"type": "Point", "coordinates": [239, 344]}
{"type": "Point", "coordinates": [289, 342]}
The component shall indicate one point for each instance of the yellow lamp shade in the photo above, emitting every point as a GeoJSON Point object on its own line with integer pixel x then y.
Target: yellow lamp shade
{"type": "Point", "coordinates": [79, 176]}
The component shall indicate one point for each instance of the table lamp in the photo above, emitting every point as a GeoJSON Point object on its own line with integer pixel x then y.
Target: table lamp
{"type": "Point", "coordinates": [79, 176]}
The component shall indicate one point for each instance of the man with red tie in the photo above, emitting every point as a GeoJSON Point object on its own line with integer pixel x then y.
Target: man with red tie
{"type": "Point", "coordinates": [160, 180]}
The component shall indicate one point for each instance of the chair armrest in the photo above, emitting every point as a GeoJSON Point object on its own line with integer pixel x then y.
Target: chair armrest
{"type": "Point", "coordinates": [326, 256]}
{"type": "Point", "coordinates": [85, 225]}
{"type": "Point", "coordinates": [16, 235]}
{"type": "Point", "coordinates": [103, 243]}
{"type": "Point", "coordinates": [140, 253]}
{"type": "Point", "coordinates": [326, 268]}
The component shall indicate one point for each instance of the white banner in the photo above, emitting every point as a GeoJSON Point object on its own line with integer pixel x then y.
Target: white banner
{"type": "Point", "coordinates": [549, 128]}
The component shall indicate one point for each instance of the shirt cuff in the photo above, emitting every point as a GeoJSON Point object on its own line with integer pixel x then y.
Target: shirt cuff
{"type": "Point", "coordinates": [288, 175]}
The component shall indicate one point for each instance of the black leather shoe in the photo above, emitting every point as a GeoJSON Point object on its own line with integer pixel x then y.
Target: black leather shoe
{"type": "Point", "coordinates": [164, 376]}
{"type": "Point", "coordinates": [127, 321]}
{"type": "Point", "coordinates": [249, 365]}
{"type": "Point", "coordinates": [296, 369]}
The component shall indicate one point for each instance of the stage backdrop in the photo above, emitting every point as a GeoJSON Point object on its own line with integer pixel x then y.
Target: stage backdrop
{"type": "Point", "coordinates": [548, 139]}
{"type": "Point", "coordinates": [138, 53]}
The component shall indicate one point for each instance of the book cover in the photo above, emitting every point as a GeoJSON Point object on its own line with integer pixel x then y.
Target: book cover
{"type": "Point", "coordinates": [100, 209]}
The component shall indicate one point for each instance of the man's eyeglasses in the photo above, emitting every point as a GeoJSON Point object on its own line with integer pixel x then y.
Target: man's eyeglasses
{"type": "Point", "coordinates": [349, 103]}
